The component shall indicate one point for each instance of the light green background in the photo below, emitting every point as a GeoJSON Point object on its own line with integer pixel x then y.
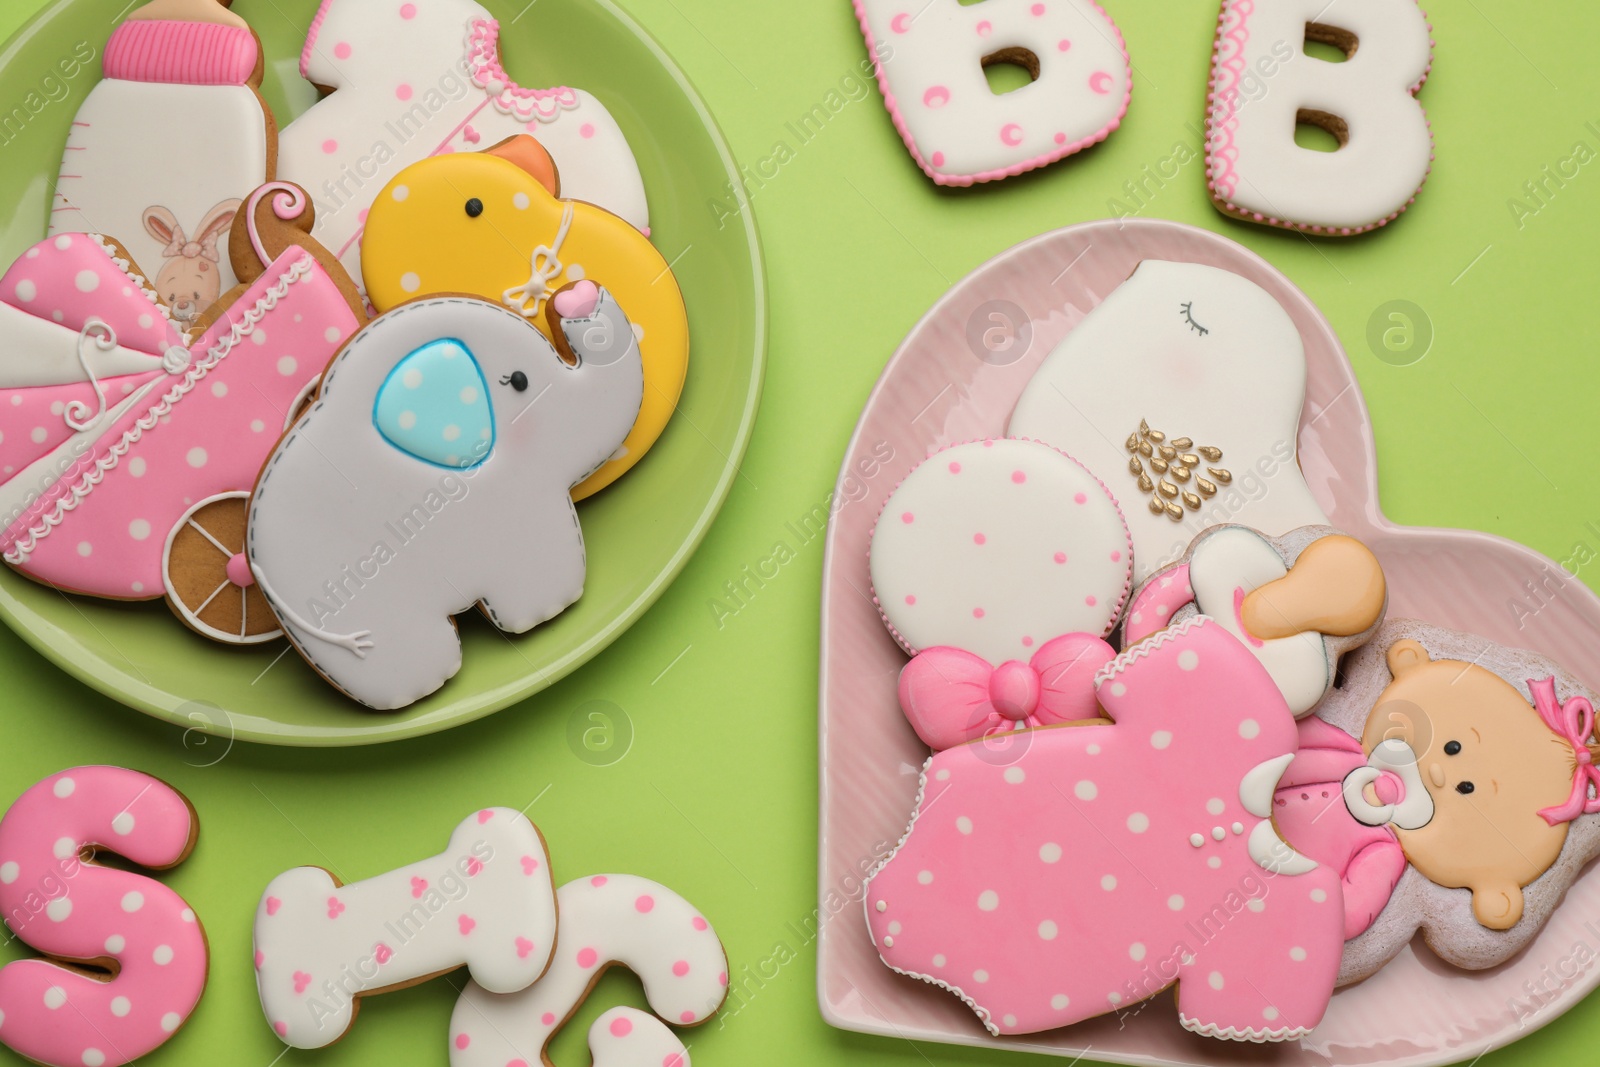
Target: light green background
{"type": "Point", "coordinates": [717, 795]}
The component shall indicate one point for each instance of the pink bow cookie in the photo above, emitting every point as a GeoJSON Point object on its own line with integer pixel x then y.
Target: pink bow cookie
{"type": "Point", "coordinates": [952, 697]}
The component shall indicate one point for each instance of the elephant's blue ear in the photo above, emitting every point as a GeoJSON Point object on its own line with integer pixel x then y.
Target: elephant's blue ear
{"type": "Point", "coordinates": [434, 406]}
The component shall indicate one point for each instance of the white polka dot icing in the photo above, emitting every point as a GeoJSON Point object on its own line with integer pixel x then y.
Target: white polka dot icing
{"type": "Point", "coordinates": [996, 547]}
{"type": "Point", "coordinates": [487, 903]}
{"type": "Point", "coordinates": [605, 919]}
{"type": "Point", "coordinates": [930, 57]}
{"type": "Point", "coordinates": [1069, 907]}
{"type": "Point", "coordinates": [62, 906]}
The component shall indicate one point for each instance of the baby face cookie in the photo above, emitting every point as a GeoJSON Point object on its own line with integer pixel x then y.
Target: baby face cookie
{"type": "Point", "coordinates": [433, 473]}
{"type": "Point", "coordinates": [1185, 387]}
{"type": "Point", "coordinates": [996, 547]}
{"type": "Point", "coordinates": [1477, 760]}
{"type": "Point", "coordinates": [1110, 861]}
{"type": "Point", "coordinates": [117, 424]}
{"type": "Point", "coordinates": [486, 903]}
{"type": "Point", "coordinates": [930, 59]}
{"type": "Point", "coordinates": [606, 920]}
{"type": "Point", "coordinates": [408, 81]}
{"type": "Point", "coordinates": [177, 72]}
{"type": "Point", "coordinates": [490, 224]}
{"type": "Point", "coordinates": [59, 901]}
{"type": "Point", "coordinates": [1297, 603]}
{"type": "Point", "coordinates": [1263, 83]}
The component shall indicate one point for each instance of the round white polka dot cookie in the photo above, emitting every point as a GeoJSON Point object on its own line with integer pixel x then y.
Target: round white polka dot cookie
{"type": "Point", "coordinates": [996, 547]}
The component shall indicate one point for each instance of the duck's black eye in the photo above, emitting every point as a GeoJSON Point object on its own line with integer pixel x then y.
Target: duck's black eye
{"type": "Point", "coordinates": [517, 380]}
{"type": "Point", "coordinates": [1451, 748]}
{"type": "Point", "coordinates": [474, 207]}
{"type": "Point", "coordinates": [1464, 788]}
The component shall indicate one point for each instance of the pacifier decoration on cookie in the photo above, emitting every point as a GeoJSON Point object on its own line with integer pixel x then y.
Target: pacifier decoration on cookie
{"type": "Point", "coordinates": [492, 224]}
{"type": "Point", "coordinates": [1298, 602]}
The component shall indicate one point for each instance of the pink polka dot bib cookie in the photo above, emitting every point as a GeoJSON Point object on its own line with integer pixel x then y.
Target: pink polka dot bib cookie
{"type": "Point", "coordinates": [996, 547]}
{"type": "Point", "coordinates": [606, 920]}
{"type": "Point", "coordinates": [125, 957]}
{"type": "Point", "coordinates": [931, 55]}
{"type": "Point", "coordinates": [486, 903]}
{"type": "Point", "coordinates": [1107, 862]}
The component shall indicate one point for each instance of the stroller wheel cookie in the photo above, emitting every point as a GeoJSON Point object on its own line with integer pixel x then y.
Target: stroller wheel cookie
{"type": "Point", "coordinates": [208, 580]}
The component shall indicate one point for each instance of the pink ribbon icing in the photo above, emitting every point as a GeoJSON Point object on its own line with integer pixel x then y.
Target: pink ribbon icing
{"type": "Point", "coordinates": [1573, 722]}
{"type": "Point", "coordinates": [952, 697]}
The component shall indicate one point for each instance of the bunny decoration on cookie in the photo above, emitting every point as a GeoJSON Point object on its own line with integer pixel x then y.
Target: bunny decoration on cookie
{"type": "Point", "coordinates": [190, 280]}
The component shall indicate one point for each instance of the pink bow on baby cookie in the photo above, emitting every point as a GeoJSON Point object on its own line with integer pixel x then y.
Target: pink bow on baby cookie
{"type": "Point", "coordinates": [1573, 722]}
{"type": "Point", "coordinates": [951, 696]}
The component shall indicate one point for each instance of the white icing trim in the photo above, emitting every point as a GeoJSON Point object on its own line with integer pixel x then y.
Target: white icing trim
{"type": "Point", "coordinates": [355, 643]}
{"type": "Point", "coordinates": [1248, 1033]}
{"type": "Point", "coordinates": [92, 477]}
{"type": "Point", "coordinates": [483, 66]}
{"type": "Point", "coordinates": [1260, 782]}
{"type": "Point", "coordinates": [76, 415]}
{"type": "Point", "coordinates": [1147, 646]}
{"type": "Point", "coordinates": [125, 265]}
{"type": "Point", "coordinates": [537, 287]}
{"type": "Point", "coordinates": [866, 907]}
{"type": "Point", "coordinates": [1275, 855]}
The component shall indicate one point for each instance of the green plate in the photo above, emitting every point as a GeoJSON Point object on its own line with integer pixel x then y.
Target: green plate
{"type": "Point", "coordinates": [640, 532]}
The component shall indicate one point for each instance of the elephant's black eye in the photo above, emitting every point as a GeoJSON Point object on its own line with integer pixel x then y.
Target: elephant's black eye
{"type": "Point", "coordinates": [517, 380]}
{"type": "Point", "coordinates": [474, 207]}
{"type": "Point", "coordinates": [1451, 748]}
{"type": "Point", "coordinates": [1464, 788]}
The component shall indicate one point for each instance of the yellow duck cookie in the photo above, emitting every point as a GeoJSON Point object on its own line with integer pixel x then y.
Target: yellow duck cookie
{"type": "Point", "coordinates": [492, 224]}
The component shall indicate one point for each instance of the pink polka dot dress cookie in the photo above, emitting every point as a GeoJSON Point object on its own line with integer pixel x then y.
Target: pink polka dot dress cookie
{"type": "Point", "coordinates": [59, 902]}
{"type": "Point", "coordinates": [1107, 862]}
{"type": "Point", "coordinates": [995, 548]}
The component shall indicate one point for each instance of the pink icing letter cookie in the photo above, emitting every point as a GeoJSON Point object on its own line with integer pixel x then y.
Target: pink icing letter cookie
{"type": "Point", "coordinates": [486, 903]}
{"type": "Point", "coordinates": [996, 547]}
{"type": "Point", "coordinates": [1263, 83]}
{"type": "Point", "coordinates": [1108, 862]}
{"type": "Point", "coordinates": [931, 54]}
{"type": "Point", "coordinates": [73, 910]}
{"type": "Point", "coordinates": [606, 919]}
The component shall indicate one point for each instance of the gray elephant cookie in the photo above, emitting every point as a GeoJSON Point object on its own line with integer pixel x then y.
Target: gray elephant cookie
{"type": "Point", "coordinates": [432, 474]}
{"type": "Point", "coordinates": [1479, 762]}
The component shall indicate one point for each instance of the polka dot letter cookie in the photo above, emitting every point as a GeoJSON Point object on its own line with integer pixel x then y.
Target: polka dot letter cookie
{"type": "Point", "coordinates": [74, 910]}
{"type": "Point", "coordinates": [996, 547]}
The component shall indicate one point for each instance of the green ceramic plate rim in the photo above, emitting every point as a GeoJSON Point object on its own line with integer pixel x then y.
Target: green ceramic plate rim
{"type": "Point", "coordinates": [138, 696]}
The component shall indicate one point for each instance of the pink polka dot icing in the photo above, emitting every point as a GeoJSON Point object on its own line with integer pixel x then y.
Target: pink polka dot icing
{"type": "Point", "coordinates": [325, 945]}
{"type": "Point", "coordinates": [180, 412]}
{"type": "Point", "coordinates": [64, 907]}
{"type": "Point", "coordinates": [607, 919]}
{"type": "Point", "coordinates": [959, 130]}
{"type": "Point", "coordinates": [1052, 557]}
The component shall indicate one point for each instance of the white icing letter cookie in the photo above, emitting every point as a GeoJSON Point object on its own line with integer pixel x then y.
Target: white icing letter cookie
{"type": "Point", "coordinates": [432, 474]}
{"type": "Point", "coordinates": [423, 78]}
{"type": "Point", "coordinates": [931, 55]}
{"type": "Point", "coordinates": [1188, 379]}
{"type": "Point", "coordinates": [1263, 84]}
{"type": "Point", "coordinates": [995, 548]}
{"type": "Point", "coordinates": [487, 903]}
{"type": "Point", "coordinates": [607, 919]}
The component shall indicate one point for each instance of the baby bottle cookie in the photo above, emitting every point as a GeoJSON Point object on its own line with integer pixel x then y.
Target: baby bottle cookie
{"type": "Point", "coordinates": [168, 145]}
